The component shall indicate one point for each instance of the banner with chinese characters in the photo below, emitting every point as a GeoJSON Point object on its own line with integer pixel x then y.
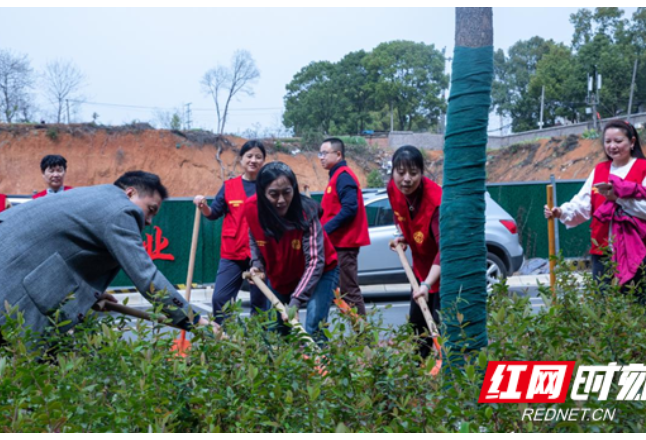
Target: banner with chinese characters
{"type": "Point", "coordinates": [168, 242]}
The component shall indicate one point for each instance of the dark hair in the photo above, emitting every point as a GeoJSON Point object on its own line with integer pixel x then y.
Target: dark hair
{"type": "Point", "coordinates": [249, 145]}
{"type": "Point", "coordinates": [145, 183]}
{"type": "Point", "coordinates": [273, 224]}
{"type": "Point", "coordinates": [408, 156]}
{"type": "Point", "coordinates": [337, 145]}
{"type": "Point", "coordinates": [53, 160]}
{"type": "Point", "coordinates": [630, 131]}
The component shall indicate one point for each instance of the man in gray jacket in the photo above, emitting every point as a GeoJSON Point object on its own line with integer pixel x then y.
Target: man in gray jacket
{"type": "Point", "coordinates": [75, 244]}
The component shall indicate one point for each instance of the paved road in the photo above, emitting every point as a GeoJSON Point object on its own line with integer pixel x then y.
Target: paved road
{"type": "Point", "coordinates": [392, 303]}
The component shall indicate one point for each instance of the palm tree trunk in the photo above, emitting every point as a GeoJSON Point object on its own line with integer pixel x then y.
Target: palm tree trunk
{"type": "Point", "coordinates": [463, 291]}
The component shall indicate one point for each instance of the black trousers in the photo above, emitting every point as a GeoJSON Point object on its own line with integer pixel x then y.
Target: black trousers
{"type": "Point", "coordinates": [603, 276]}
{"type": "Point", "coordinates": [425, 344]}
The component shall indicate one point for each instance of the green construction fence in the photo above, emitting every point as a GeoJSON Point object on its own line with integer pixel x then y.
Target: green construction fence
{"type": "Point", "coordinates": [523, 200]}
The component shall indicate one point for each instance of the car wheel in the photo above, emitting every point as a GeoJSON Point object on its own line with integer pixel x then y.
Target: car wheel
{"type": "Point", "coordinates": [496, 271]}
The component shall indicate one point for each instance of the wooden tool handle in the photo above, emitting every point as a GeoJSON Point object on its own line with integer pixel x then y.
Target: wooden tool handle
{"type": "Point", "coordinates": [191, 261]}
{"type": "Point", "coordinates": [415, 285]}
{"type": "Point", "coordinates": [119, 308]}
{"type": "Point", "coordinates": [277, 304]}
{"type": "Point", "coordinates": [551, 226]}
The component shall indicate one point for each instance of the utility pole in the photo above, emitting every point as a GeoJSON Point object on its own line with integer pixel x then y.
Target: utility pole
{"type": "Point", "coordinates": [632, 90]}
{"type": "Point", "coordinates": [443, 114]}
{"type": "Point", "coordinates": [187, 117]}
{"type": "Point", "coordinates": [540, 123]}
{"type": "Point", "coordinates": [594, 85]}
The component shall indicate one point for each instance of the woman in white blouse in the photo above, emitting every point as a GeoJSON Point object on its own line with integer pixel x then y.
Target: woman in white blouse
{"type": "Point", "coordinates": [625, 161]}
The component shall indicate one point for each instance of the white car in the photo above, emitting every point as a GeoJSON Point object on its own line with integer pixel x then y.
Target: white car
{"type": "Point", "coordinates": [379, 265]}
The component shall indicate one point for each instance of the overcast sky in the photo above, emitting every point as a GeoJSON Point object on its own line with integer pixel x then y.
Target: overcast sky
{"type": "Point", "coordinates": [155, 58]}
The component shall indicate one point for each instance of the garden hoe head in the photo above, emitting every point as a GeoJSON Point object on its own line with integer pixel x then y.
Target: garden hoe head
{"type": "Point", "coordinates": [181, 345]}
{"type": "Point", "coordinates": [344, 307]}
{"type": "Point", "coordinates": [421, 302]}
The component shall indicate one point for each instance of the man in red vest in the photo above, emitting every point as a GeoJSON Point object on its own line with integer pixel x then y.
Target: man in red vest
{"type": "Point", "coordinates": [54, 168]}
{"type": "Point", "coordinates": [344, 218]}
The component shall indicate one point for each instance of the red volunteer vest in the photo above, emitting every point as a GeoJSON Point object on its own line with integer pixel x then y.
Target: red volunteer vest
{"type": "Point", "coordinates": [3, 202]}
{"type": "Point", "coordinates": [284, 259]}
{"type": "Point", "coordinates": [43, 193]}
{"type": "Point", "coordinates": [353, 233]}
{"type": "Point", "coordinates": [235, 237]}
{"type": "Point", "coordinates": [600, 231]}
{"type": "Point", "coordinates": [417, 231]}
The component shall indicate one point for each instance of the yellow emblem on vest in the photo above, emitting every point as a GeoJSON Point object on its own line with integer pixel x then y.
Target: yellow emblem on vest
{"type": "Point", "coordinates": [329, 189]}
{"type": "Point", "coordinates": [236, 203]}
{"type": "Point", "coordinates": [418, 237]}
{"type": "Point", "coordinates": [296, 244]}
{"type": "Point", "coordinates": [260, 242]}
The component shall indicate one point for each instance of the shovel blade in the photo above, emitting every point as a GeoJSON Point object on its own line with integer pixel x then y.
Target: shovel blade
{"type": "Point", "coordinates": [181, 346]}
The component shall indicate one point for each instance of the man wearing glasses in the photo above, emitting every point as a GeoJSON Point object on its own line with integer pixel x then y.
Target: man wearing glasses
{"type": "Point", "coordinates": [344, 218]}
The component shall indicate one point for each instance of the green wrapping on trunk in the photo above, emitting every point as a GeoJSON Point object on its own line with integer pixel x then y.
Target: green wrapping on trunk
{"type": "Point", "coordinates": [463, 290]}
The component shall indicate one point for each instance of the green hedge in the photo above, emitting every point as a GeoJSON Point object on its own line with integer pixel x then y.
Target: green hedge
{"type": "Point", "coordinates": [99, 381]}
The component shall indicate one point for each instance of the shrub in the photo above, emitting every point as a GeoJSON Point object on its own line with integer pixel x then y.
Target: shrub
{"type": "Point", "coordinates": [590, 134]}
{"type": "Point", "coordinates": [354, 141]}
{"type": "Point", "coordinates": [375, 180]}
{"type": "Point", "coordinates": [96, 380]}
{"type": "Point", "coordinates": [52, 133]}
{"type": "Point", "coordinates": [311, 140]}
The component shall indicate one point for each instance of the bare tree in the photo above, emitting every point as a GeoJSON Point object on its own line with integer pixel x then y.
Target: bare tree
{"type": "Point", "coordinates": [16, 81]}
{"type": "Point", "coordinates": [62, 81]}
{"type": "Point", "coordinates": [27, 108]}
{"type": "Point", "coordinates": [223, 83]}
{"type": "Point", "coordinates": [168, 119]}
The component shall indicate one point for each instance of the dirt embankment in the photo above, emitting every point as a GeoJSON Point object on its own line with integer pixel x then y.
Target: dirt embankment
{"type": "Point", "coordinates": [566, 158]}
{"type": "Point", "coordinates": [186, 162]}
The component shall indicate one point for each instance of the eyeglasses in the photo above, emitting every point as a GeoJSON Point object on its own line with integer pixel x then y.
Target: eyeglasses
{"type": "Point", "coordinates": [322, 154]}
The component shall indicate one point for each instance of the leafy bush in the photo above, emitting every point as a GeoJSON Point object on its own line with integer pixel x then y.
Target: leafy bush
{"type": "Point", "coordinates": [96, 380]}
{"type": "Point", "coordinates": [590, 134]}
{"type": "Point", "coordinates": [375, 180]}
{"type": "Point", "coordinates": [311, 140]}
{"type": "Point", "coordinates": [280, 148]}
{"type": "Point", "coordinates": [52, 133]}
{"type": "Point", "coordinates": [354, 141]}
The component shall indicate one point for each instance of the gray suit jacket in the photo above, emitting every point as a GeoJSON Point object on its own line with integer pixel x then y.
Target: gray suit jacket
{"type": "Point", "coordinates": [75, 242]}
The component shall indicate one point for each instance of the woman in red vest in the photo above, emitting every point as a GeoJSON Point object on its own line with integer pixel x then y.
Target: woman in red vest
{"type": "Point", "coordinates": [617, 184]}
{"type": "Point", "coordinates": [4, 202]}
{"type": "Point", "coordinates": [290, 247]}
{"type": "Point", "coordinates": [415, 200]}
{"type": "Point", "coordinates": [234, 247]}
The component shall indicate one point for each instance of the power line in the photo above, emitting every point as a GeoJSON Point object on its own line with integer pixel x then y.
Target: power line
{"type": "Point", "coordinates": [499, 128]}
{"type": "Point", "coordinates": [142, 107]}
